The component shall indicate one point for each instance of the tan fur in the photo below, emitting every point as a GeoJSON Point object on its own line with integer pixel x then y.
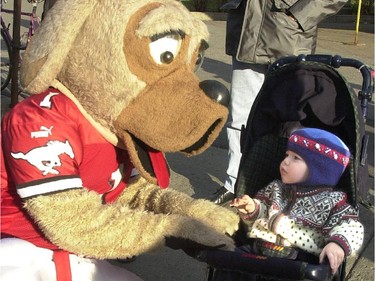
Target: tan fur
{"type": "Point", "coordinates": [96, 52]}
{"type": "Point", "coordinates": [149, 197]}
{"type": "Point", "coordinates": [118, 231]}
{"type": "Point", "coordinates": [42, 62]}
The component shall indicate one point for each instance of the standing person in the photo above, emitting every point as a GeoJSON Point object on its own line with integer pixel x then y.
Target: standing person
{"type": "Point", "coordinates": [258, 33]}
{"type": "Point", "coordinates": [304, 212]}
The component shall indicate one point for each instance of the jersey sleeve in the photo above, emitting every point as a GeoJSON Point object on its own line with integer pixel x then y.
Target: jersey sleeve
{"type": "Point", "coordinates": [41, 144]}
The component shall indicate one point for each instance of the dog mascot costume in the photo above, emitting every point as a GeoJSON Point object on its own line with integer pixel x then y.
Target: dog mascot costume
{"type": "Point", "coordinates": [112, 88]}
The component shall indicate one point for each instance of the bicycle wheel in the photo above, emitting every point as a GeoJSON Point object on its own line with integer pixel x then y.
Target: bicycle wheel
{"type": "Point", "coordinates": [6, 66]}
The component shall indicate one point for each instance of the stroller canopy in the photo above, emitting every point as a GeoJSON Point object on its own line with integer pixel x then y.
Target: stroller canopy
{"type": "Point", "coordinates": [302, 94]}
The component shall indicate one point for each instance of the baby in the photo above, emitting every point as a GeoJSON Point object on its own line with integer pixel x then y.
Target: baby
{"type": "Point", "coordinates": [303, 212]}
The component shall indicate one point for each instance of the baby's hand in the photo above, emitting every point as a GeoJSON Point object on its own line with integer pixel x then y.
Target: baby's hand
{"type": "Point", "coordinates": [244, 204]}
{"type": "Point", "coordinates": [335, 255]}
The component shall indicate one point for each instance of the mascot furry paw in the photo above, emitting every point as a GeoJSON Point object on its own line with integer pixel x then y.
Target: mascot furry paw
{"type": "Point", "coordinates": [113, 88]}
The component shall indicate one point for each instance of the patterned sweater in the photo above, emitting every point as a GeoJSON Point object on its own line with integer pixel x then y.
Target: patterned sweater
{"type": "Point", "coordinates": [305, 217]}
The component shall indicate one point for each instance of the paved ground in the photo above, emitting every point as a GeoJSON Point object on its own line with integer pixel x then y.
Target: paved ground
{"type": "Point", "coordinates": [200, 176]}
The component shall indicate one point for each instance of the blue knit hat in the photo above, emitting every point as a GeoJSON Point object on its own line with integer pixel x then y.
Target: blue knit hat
{"type": "Point", "coordinates": [325, 154]}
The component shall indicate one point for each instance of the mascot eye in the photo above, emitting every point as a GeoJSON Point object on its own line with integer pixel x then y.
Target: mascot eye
{"type": "Point", "coordinates": [166, 57]}
{"type": "Point", "coordinates": [164, 48]}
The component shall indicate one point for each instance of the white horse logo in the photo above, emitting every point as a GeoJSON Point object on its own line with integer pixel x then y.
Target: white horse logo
{"type": "Point", "coordinates": [45, 158]}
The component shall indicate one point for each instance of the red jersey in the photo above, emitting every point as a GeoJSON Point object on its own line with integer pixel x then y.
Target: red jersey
{"type": "Point", "coordinates": [51, 147]}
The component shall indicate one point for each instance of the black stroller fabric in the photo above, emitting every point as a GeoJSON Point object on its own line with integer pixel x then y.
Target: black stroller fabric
{"type": "Point", "coordinates": [305, 94]}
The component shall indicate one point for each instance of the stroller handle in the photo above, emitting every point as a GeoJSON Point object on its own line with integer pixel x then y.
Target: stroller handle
{"type": "Point", "coordinates": [365, 95]}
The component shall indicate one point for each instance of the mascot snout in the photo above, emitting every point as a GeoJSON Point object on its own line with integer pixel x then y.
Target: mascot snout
{"type": "Point", "coordinates": [180, 116]}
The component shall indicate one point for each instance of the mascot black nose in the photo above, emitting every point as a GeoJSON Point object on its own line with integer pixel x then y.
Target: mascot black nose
{"type": "Point", "coordinates": [216, 91]}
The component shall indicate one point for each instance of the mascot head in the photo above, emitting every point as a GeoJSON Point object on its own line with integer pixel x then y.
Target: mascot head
{"type": "Point", "coordinates": [129, 66]}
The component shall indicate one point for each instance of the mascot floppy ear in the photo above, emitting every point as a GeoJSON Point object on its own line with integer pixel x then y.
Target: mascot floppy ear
{"type": "Point", "coordinates": [41, 65]}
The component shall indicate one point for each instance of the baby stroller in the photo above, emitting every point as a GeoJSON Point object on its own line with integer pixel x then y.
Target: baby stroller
{"type": "Point", "coordinates": [298, 91]}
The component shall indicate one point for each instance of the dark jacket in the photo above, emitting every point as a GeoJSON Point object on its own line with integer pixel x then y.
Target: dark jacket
{"type": "Point", "coordinates": [262, 31]}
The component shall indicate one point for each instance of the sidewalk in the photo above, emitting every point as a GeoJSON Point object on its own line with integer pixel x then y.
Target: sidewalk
{"type": "Point", "coordinates": [201, 175]}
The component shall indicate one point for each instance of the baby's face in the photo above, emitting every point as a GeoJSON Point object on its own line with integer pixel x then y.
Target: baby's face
{"type": "Point", "coordinates": [293, 169]}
